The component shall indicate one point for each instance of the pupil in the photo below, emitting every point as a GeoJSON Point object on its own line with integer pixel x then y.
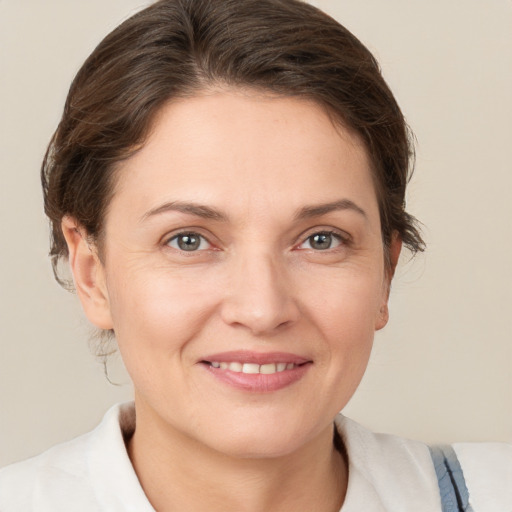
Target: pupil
{"type": "Point", "coordinates": [188, 242]}
{"type": "Point", "coordinates": [321, 241]}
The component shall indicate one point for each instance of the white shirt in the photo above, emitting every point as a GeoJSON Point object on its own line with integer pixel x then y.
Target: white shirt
{"type": "Point", "coordinates": [386, 473]}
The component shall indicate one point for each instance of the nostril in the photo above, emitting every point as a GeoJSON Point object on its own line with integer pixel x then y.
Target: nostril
{"type": "Point", "coordinates": [267, 318]}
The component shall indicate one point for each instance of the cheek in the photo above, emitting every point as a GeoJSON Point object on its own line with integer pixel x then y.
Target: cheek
{"type": "Point", "coordinates": [347, 320]}
{"type": "Point", "coordinates": [155, 317]}
{"type": "Point", "coordinates": [348, 307]}
{"type": "Point", "coordinates": [157, 309]}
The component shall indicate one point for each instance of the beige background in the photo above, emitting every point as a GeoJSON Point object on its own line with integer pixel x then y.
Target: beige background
{"type": "Point", "coordinates": [442, 369]}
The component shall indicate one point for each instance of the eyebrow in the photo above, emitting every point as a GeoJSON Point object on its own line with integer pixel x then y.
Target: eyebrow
{"type": "Point", "coordinates": [206, 212]}
{"type": "Point", "coordinates": [198, 210]}
{"type": "Point", "coordinates": [323, 209]}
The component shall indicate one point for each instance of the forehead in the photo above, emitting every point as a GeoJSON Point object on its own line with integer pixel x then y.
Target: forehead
{"type": "Point", "coordinates": [240, 148]}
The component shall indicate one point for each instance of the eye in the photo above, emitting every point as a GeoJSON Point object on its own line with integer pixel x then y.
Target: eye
{"type": "Point", "coordinates": [188, 242]}
{"type": "Point", "coordinates": [322, 241]}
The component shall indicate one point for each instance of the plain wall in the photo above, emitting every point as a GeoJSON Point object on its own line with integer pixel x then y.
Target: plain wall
{"type": "Point", "coordinates": [442, 368]}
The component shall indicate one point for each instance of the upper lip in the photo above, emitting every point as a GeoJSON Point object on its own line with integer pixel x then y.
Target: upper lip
{"type": "Point", "coordinates": [246, 356]}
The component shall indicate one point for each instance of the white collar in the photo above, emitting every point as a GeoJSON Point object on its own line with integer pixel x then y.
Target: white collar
{"type": "Point", "coordinates": [115, 483]}
{"type": "Point", "coordinates": [386, 473]}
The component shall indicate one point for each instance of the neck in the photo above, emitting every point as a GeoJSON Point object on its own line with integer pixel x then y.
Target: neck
{"type": "Point", "coordinates": [179, 473]}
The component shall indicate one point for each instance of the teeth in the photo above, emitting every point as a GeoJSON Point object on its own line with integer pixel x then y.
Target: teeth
{"type": "Point", "coordinates": [251, 368]}
{"type": "Point", "coordinates": [235, 367]}
{"type": "Point", "coordinates": [266, 369]}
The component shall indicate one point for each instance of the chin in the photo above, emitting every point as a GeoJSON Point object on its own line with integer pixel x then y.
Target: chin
{"type": "Point", "coordinates": [256, 446]}
{"type": "Point", "coordinates": [270, 438]}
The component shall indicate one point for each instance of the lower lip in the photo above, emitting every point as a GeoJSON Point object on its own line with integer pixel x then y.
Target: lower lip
{"type": "Point", "coordinates": [259, 382]}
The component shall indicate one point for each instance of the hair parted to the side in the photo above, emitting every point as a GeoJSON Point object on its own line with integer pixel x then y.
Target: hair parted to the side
{"type": "Point", "coordinates": [177, 48]}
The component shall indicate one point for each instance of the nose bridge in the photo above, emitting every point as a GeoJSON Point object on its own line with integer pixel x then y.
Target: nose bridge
{"type": "Point", "coordinates": [260, 293]}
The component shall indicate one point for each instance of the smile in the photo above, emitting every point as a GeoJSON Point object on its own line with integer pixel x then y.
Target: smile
{"type": "Point", "coordinates": [257, 372]}
{"type": "Point", "coordinates": [266, 369]}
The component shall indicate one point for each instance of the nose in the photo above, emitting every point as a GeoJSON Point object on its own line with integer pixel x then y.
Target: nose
{"type": "Point", "coordinates": [259, 296]}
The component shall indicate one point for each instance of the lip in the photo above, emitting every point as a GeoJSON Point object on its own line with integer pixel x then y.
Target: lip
{"type": "Point", "coordinates": [257, 383]}
{"type": "Point", "coordinates": [248, 356]}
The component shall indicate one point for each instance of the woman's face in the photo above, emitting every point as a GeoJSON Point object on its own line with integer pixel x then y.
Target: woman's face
{"type": "Point", "coordinates": [244, 271]}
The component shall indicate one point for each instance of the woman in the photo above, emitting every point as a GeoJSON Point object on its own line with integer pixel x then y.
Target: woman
{"type": "Point", "coordinates": [227, 183]}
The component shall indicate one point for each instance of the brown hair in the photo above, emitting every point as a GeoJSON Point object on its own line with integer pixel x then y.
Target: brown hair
{"type": "Point", "coordinates": [175, 48]}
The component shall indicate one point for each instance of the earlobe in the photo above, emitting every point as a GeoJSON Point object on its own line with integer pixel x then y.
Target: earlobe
{"type": "Point", "coordinates": [88, 274]}
{"type": "Point", "coordinates": [382, 317]}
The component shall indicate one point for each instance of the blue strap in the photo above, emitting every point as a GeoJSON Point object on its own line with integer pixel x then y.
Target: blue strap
{"type": "Point", "coordinates": [452, 486]}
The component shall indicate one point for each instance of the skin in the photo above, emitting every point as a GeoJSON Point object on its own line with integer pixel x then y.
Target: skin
{"type": "Point", "coordinates": [257, 282]}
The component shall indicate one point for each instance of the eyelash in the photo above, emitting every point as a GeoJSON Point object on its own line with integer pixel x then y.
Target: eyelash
{"type": "Point", "coordinates": [342, 239]}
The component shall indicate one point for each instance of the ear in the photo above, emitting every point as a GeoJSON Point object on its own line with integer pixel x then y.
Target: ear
{"type": "Point", "coordinates": [88, 274]}
{"type": "Point", "coordinates": [394, 249]}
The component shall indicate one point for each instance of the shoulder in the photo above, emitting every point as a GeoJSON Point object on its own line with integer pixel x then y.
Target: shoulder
{"type": "Point", "coordinates": [487, 469]}
{"type": "Point", "coordinates": [66, 473]}
{"type": "Point", "coordinates": [64, 466]}
{"type": "Point", "coordinates": [397, 472]}
{"type": "Point", "coordinates": [401, 470]}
